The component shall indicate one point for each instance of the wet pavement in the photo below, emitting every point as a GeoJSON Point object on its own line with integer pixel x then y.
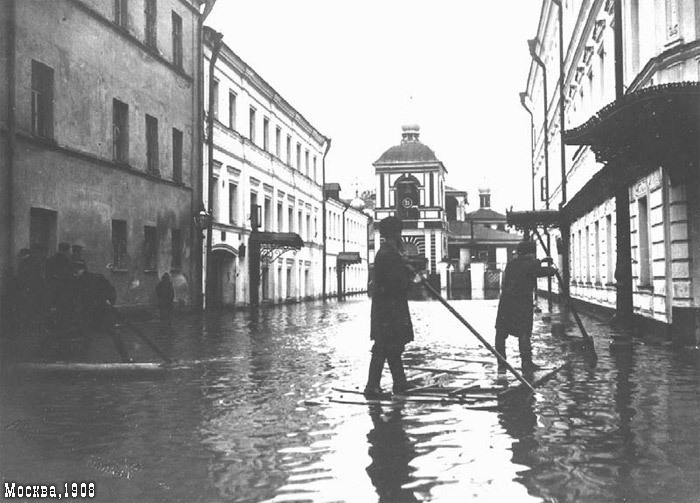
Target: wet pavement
{"type": "Point", "coordinates": [230, 422]}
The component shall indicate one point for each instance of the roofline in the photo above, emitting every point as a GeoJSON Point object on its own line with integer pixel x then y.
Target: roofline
{"type": "Point", "coordinates": [262, 86]}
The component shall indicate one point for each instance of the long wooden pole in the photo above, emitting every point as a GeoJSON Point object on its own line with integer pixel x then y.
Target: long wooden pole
{"type": "Point", "coordinates": [567, 298]}
{"type": "Point", "coordinates": [488, 346]}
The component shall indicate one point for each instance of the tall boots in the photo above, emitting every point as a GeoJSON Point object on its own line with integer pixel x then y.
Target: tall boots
{"type": "Point", "coordinates": [376, 366]}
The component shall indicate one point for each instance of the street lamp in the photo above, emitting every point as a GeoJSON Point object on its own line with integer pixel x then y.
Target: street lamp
{"type": "Point", "coordinates": [201, 220]}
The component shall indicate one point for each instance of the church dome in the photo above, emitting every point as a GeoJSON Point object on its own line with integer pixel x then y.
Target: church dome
{"type": "Point", "coordinates": [409, 150]}
{"type": "Point", "coordinates": [357, 204]}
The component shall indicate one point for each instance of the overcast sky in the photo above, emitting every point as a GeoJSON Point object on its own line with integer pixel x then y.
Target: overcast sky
{"type": "Point", "coordinates": [359, 70]}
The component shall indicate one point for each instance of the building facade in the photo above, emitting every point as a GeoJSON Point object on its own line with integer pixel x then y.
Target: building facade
{"type": "Point", "coordinates": [410, 184]}
{"type": "Point", "coordinates": [96, 136]}
{"type": "Point", "coordinates": [624, 172]}
{"type": "Point", "coordinates": [347, 244]}
{"type": "Point", "coordinates": [267, 169]}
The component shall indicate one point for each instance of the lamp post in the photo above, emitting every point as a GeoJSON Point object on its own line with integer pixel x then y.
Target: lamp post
{"type": "Point", "coordinates": [202, 221]}
{"type": "Point", "coordinates": [532, 44]}
{"type": "Point", "coordinates": [217, 42]}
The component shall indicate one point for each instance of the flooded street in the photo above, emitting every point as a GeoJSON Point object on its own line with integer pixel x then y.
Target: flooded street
{"type": "Point", "coordinates": [230, 423]}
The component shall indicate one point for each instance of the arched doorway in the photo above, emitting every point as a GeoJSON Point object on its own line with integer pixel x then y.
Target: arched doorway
{"type": "Point", "coordinates": [223, 277]}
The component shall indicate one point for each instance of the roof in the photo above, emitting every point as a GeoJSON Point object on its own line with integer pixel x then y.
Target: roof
{"type": "Point", "coordinates": [659, 124]}
{"type": "Point", "coordinates": [465, 231]}
{"type": "Point", "coordinates": [410, 151]}
{"type": "Point", "coordinates": [485, 214]}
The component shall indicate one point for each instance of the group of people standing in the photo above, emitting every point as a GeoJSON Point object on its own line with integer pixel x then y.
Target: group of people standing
{"type": "Point", "coordinates": [391, 326]}
{"type": "Point", "coordinates": [70, 304]}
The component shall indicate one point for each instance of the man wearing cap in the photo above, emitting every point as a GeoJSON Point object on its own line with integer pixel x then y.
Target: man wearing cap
{"type": "Point", "coordinates": [391, 327]}
{"type": "Point", "coordinates": [516, 305]}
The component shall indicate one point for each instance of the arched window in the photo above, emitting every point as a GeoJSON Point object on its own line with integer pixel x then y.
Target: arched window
{"type": "Point", "coordinates": [407, 197]}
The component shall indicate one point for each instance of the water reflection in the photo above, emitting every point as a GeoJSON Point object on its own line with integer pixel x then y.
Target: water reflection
{"type": "Point", "coordinates": [231, 424]}
{"type": "Point", "coordinates": [391, 451]}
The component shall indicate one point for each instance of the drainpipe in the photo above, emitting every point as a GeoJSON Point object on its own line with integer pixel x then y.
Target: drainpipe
{"type": "Point", "coordinates": [11, 70]}
{"type": "Point", "coordinates": [623, 272]}
{"type": "Point", "coordinates": [532, 43]}
{"type": "Point", "coordinates": [561, 100]}
{"type": "Point", "coordinates": [523, 97]}
{"type": "Point", "coordinates": [341, 270]}
{"type": "Point", "coordinates": [323, 209]}
{"type": "Point", "coordinates": [217, 41]}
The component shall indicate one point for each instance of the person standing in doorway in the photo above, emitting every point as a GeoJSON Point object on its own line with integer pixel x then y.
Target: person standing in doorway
{"type": "Point", "coordinates": [516, 305]}
{"type": "Point", "coordinates": [165, 296]}
{"type": "Point", "coordinates": [391, 326]}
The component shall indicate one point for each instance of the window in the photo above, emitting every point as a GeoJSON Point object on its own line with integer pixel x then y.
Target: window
{"type": "Point", "coordinates": [121, 12]}
{"type": "Point", "coordinates": [151, 144]}
{"type": "Point", "coordinates": [280, 215]}
{"type": "Point", "coordinates": [151, 15]}
{"type": "Point", "coordinates": [214, 205]}
{"type": "Point", "coordinates": [672, 31]}
{"type": "Point", "coordinates": [643, 256]}
{"type": "Point", "coordinates": [306, 162]}
{"type": "Point", "coordinates": [597, 252]}
{"type": "Point", "coordinates": [177, 40]}
{"type": "Point", "coordinates": [289, 150]}
{"type": "Point", "coordinates": [299, 223]}
{"type": "Point", "coordinates": [308, 227]}
{"type": "Point", "coordinates": [315, 168]}
{"type": "Point", "coordinates": [215, 96]}
{"type": "Point", "coordinates": [268, 214]}
{"type": "Point", "coordinates": [150, 248]}
{"type": "Point", "coordinates": [232, 110]}
{"type": "Point", "coordinates": [254, 214]}
{"type": "Point", "coordinates": [251, 124]}
{"type": "Point", "coordinates": [119, 244]}
{"type": "Point", "coordinates": [232, 203]}
{"type": "Point", "coordinates": [290, 219]}
{"type": "Point", "coordinates": [177, 155]}
{"type": "Point", "coordinates": [298, 164]}
{"type": "Point", "coordinates": [42, 100]}
{"type": "Point", "coordinates": [176, 243]}
{"type": "Point", "coordinates": [120, 131]}
{"type": "Point", "coordinates": [588, 254]}
{"type": "Point", "coordinates": [266, 134]}
{"type": "Point", "coordinates": [278, 142]}
{"type": "Point", "coordinates": [610, 260]}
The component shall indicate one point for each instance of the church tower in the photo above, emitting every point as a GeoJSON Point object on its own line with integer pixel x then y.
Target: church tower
{"type": "Point", "coordinates": [410, 184]}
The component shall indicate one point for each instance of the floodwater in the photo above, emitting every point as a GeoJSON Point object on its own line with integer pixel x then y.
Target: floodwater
{"type": "Point", "coordinates": [230, 424]}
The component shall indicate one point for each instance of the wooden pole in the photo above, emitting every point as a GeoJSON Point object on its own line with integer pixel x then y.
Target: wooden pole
{"type": "Point", "coordinates": [488, 346]}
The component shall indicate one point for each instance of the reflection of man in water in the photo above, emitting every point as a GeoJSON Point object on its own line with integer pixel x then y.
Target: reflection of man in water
{"type": "Point", "coordinates": [391, 451]}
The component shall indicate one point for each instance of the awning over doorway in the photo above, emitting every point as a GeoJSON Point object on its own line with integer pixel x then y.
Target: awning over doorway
{"type": "Point", "coordinates": [347, 258]}
{"type": "Point", "coordinates": [655, 126]}
{"type": "Point", "coordinates": [278, 239]}
{"type": "Point", "coordinates": [531, 219]}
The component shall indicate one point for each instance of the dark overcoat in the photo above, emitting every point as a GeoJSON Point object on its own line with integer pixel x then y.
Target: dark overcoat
{"type": "Point", "coordinates": [391, 320]}
{"type": "Point", "coordinates": [516, 304]}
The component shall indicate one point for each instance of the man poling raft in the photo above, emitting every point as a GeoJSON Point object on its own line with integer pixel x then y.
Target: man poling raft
{"type": "Point", "coordinates": [515, 307]}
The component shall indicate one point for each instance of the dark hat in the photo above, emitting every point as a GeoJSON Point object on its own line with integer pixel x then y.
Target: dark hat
{"type": "Point", "coordinates": [527, 247]}
{"type": "Point", "coordinates": [390, 226]}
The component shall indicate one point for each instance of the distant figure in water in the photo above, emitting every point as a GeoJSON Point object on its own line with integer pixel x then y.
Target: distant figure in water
{"type": "Point", "coordinates": [165, 296]}
{"type": "Point", "coordinates": [391, 327]}
{"type": "Point", "coordinates": [516, 305]}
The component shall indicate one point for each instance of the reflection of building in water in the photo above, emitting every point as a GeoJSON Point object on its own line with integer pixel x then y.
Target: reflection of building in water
{"type": "Point", "coordinates": [391, 451]}
{"type": "Point", "coordinates": [410, 184]}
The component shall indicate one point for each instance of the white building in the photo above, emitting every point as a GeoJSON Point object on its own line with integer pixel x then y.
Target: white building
{"type": "Point", "coordinates": [266, 154]}
{"type": "Point", "coordinates": [642, 139]}
{"type": "Point", "coordinates": [347, 240]}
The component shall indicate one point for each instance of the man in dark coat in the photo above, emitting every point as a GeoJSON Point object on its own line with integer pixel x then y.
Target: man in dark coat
{"type": "Point", "coordinates": [59, 278]}
{"type": "Point", "coordinates": [516, 304]}
{"type": "Point", "coordinates": [391, 327]}
{"type": "Point", "coordinates": [96, 298]}
{"type": "Point", "coordinates": [165, 296]}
